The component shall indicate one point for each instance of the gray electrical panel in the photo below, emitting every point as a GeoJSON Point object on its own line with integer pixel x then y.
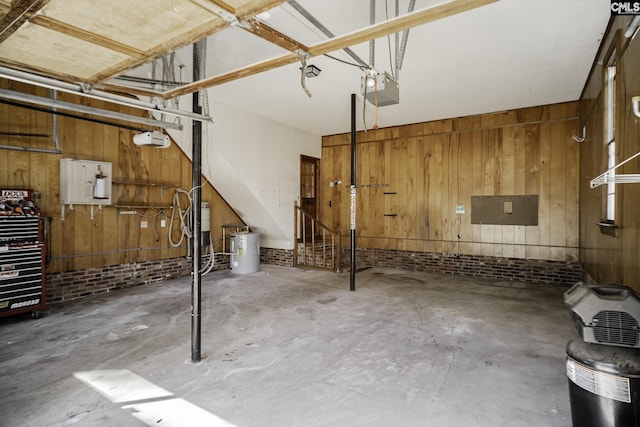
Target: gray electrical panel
{"type": "Point", "coordinates": [504, 210]}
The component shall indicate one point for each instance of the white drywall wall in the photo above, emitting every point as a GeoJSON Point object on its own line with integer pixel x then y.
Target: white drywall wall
{"type": "Point", "coordinates": [254, 163]}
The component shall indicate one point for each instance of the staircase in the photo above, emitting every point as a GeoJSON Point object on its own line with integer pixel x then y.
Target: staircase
{"type": "Point", "coordinates": [316, 246]}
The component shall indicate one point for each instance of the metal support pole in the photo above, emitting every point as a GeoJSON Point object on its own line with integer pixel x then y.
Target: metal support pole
{"type": "Point", "coordinates": [352, 276]}
{"type": "Point", "coordinates": [196, 169]}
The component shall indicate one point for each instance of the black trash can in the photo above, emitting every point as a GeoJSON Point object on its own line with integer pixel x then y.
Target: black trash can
{"type": "Point", "coordinates": [604, 385]}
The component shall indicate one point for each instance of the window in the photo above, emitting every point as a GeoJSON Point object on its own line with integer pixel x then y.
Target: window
{"type": "Point", "coordinates": [610, 138]}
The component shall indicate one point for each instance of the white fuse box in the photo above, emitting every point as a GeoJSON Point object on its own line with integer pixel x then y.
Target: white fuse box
{"type": "Point", "coordinates": [84, 182]}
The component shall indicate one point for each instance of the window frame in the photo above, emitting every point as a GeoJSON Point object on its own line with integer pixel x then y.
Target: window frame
{"type": "Point", "coordinates": [610, 200]}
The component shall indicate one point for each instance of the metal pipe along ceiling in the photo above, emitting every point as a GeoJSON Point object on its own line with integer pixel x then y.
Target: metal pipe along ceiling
{"type": "Point", "coordinates": [79, 90]}
{"type": "Point", "coordinates": [312, 19]}
{"type": "Point", "coordinates": [53, 103]}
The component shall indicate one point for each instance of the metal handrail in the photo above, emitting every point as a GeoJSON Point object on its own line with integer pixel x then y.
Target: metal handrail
{"type": "Point", "coordinates": [300, 239]}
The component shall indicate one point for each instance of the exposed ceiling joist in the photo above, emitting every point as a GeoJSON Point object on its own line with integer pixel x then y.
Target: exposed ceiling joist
{"type": "Point", "coordinates": [382, 29]}
{"type": "Point", "coordinates": [20, 12]}
{"type": "Point", "coordinates": [79, 33]}
{"type": "Point", "coordinates": [272, 35]}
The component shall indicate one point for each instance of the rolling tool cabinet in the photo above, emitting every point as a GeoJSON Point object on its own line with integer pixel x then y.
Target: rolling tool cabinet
{"type": "Point", "coordinates": [22, 265]}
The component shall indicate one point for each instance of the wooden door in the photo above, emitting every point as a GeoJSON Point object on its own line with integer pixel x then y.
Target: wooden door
{"type": "Point", "coordinates": [309, 189]}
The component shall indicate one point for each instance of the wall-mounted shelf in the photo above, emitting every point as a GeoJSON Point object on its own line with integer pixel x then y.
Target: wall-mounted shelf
{"type": "Point", "coordinates": [130, 207]}
{"type": "Point", "coordinates": [142, 184]}
{"type": "Point", "coordinates": [160, 185]}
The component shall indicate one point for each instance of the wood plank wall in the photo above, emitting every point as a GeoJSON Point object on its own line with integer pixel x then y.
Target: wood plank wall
{"type": "Point", "coordinates": [110, 238]}
{"type": "Point", "coordinates": [432, 167]}
{"type": "Point", "coordinates": [607, 258]}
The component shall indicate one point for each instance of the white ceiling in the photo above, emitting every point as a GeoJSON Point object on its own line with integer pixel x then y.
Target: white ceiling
{"type": "Point", "coordinates": [506, 54]}
{"type": "Point", "coordinates": [509, 54]}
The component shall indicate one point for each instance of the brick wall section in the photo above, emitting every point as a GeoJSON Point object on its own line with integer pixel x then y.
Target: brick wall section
{"type": "Point", "coordinates": [282, 257]}
{"type": "Point", "coordinates": [512, 269]}
{"type": "Point", "coordinates": [70, 285]}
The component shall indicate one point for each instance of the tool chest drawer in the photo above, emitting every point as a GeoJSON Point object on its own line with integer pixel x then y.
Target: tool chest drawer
{"type": "Point", "coordinates": [22, 274]}
{"type": "Point", "coordinates": [20, 229]}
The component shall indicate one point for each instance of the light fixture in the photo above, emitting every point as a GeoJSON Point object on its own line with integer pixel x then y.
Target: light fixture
{"type": "Point", "coordinates": [312, 71]}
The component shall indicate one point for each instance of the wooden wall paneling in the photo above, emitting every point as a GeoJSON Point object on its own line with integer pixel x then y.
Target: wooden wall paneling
{"type": "Point", "coordinates": [415, 202]}
{"type": "Point", "coordinates": [532, 180]}
{"type": "Point", "coordinates": [363, 204]}
{"type": "Point", "coordinates": [465, 183]}
{"type": "Point", "coordinates": [508, 183]}
{"type": "Point", "coordinates": [554, 229]}
{"type": "Point", "coordinates": [168, 174]}
{"type": "Point", "coordinates": [573, 199]}
{"type": "Point", "coordinates": [341, 214]}
{"type": "Point", "coordinates": [434, 167]}
{"type": "Point", "coordinates": [496, 135]}
{"type": "Point", "coordinates": [413, 172]}
{"type": "Point", "coordinates": [326, 177]}
{"type": "Point", "coordinates": [488, 153]}
{"type": "Point", "coordinates": [380, 203]}
{"type": "Point", "coordinates": [477, 187]}
{"type": "Point", "coordinates": [128, 225]}
{"type": "Point", "coordinates": [97, 143]}
{"type": "Point", "coordinates": [547, 143]}
{"type": "Point", "coordinates": [449, 191]}
{"type": "Point", "coordinates": [82, 227]}
{"type": "Point", "coordinates": [83, 132]}
{"type": "Point", "coordinates": [630, 193]}
{"type": "Point", "coordinates": [109, 153]}
{"type": "Point", "coordinates": [389, 176]}
{"type": "Point", "coordinates": [520, 170]}
{"type": "Point", "coordinates": [379, 175]}
{"type": "Point", "coordinates": [113, 238]}
{"type": "Point", "coordinates": [399, 183]}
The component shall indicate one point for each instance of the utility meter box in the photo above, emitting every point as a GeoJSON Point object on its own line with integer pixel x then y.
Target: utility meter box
{"type": "Point", "coordinates": [85, 182]}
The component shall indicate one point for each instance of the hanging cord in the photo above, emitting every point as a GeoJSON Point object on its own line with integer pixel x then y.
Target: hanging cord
{"type": "Point", "coordinates": [303, 73]}
{"type": "Point", "coordinates": [364, 103]}
{"type": "Point", "coordinates": [375, 99]}
{"type": "Point", "coordinates": [184, 216]}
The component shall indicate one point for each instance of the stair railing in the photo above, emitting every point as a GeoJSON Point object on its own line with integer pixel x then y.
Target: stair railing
{"type": "Point", "coordinates": [319, 247]}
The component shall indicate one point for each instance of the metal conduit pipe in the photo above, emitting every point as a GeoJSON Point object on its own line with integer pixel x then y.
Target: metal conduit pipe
{"type": "Point", "coordinates": [79, 90]}
{"type": "Point", "coordinates": [403, 43]}
{"type": "Point", "coordinates": [312, 19]}
{"type": "Point", "coordinates": [54, 121]}
{"type": "Point", "coordinates": [48, 102]}
{"type": "Point", "coordinates": [372, 42]}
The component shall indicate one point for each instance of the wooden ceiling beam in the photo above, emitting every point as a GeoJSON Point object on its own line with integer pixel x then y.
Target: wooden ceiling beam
{"type": "Point", "coordinates": [260, 67]}
{"type": "Point", "coordinates": [256, 7]}
{"type": "Point", "coordinates": [382, 29]}
{"type": "Point", "coordinates": [128, 90]}
{"type": "Point", "coordinates": [198, 33]}
{"type": "Point", "coordinates": [272, 35]}
{"type": "Point", "coordinates": [20, 13]}
{"type": "Point", "coordinates": [241, 14]}
{"type": "Point", "coordinates": [79, 33]}
{"type": "Point", "coordinates": [399, 24]}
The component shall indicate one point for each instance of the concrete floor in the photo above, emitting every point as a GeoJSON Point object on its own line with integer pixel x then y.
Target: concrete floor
{"type": "Point", "coordinates": [287, 347]}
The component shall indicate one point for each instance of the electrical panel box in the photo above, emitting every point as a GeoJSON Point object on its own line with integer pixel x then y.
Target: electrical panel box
{"type": "Point", "coordinates": [85, 182]}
